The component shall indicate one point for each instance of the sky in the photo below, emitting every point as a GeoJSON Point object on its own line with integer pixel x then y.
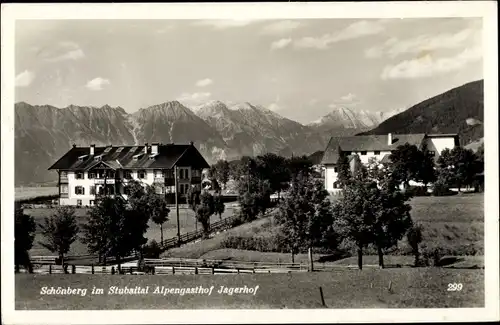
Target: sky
{"type": "Point", "coordinates": [299, 68]}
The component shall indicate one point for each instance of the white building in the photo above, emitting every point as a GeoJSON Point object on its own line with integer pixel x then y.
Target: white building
{"type": "Point", "coordinates": [378, 147]}
{"type": "Point", "coordinates": [85, 171]}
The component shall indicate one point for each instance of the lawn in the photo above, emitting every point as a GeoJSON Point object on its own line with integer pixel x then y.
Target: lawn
{"type": "Point", "coordinates": [343, 288]}
{"type": "Point", "coordinates": [453, 223]}
{"type": "Point", "coordinates": [23, 193]}
{"type": "Point", "coordinates": [186, 218]}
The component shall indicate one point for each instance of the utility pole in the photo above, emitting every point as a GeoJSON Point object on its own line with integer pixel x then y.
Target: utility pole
{"type": "Point", "coordinates": [177, 207]}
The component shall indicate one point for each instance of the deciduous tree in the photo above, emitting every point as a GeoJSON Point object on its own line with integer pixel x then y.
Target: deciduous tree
{"type": "Point", "coordinates": [219, 204]}
{"type": "Point", "coordinates": [221, 172]}
{"type": "Point", "coordinates": [204, 211]}
{"type": "Point", "coordinates": [24, 234]}
{"type": "Point", "coordinates": [60, 231]}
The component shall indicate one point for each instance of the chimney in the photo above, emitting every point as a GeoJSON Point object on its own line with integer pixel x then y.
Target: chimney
{"type": "Point", "coordinates": [146, 148]}
{"type": "Point", "coordinates": [389, 139]}
{"type": "Point", "coordinates": [154, 148]}
{"type": "Point", "coordinates": [92, 149]}
{"type": "Point", "coordinates": [191, 143]}
{"type": "Point", "coordinates": [74, 145]}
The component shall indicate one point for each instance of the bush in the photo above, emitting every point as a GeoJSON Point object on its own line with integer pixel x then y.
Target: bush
{"type": "Point", "coordinates": [417, 191]}
{"type": "Point", "coordinates": [441, 189]}
{"type": "Point", "coordinates": [152, 250]}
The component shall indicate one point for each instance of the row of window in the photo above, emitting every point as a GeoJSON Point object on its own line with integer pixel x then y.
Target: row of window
{"type": "Point", "coordinates": [80, 190]}
{"type": "Point", "coordinates": [141, 174]}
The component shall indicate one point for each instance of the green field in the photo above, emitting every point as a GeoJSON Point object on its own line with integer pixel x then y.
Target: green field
{"type": "Point", "coordinates": [23, 193]}
{"type": "Point", "coordinates": [454, 224]}
{"type": "Point", "coordinates": [186, 218]}
{"type": "Point", "coordinates": [410, 288]}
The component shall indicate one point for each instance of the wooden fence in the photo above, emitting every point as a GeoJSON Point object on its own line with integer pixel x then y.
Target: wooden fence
{"type": "Point", "coordinates": [176, 267]}
{"type": "Point", "coordinates": [215, 227]}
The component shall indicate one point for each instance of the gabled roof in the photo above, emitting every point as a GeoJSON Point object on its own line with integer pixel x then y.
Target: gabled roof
{"type": "Point", "coordinates": [122, 157]}
{"type": "Point", "coordinates": [367, 143]}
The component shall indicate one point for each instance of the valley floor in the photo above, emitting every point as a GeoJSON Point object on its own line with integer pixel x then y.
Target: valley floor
{"type": "Point", "coordinates": [410, 288]}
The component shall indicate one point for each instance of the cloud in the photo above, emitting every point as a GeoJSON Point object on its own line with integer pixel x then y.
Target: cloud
{"type": "Point", "coordinates": [280, 27]}
{"type": "Point", "coordinates": [204, 82]}
{"type": "Point", "coordinates": [97, 83]}
{"type": "Point", "coordinates": [223, 23]}
{"type": "Point", "coordinates": [194, 98]}
{"type": "Point", "coordinates": [348, 98]}
{"type": "Point", "coordinates": [25, 78]}
{"type": "Point", "coordinates": [281, 43]}
{"type": "Point", "coordinates": [355, 30]}
{"type": "Point", "coordinates": [64, 51]}
{"type": "Point", "coordinates": [427, 66]}
{"type": "Point", "coordinates": [394, 47]}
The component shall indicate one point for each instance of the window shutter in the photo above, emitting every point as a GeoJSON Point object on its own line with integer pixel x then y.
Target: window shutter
{"type": "Point", "coordinates": [83, 190]}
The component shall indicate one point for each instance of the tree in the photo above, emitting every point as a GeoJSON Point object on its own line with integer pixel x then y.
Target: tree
{"type": "Point", "coordinates": [344, 171]}
{"type": "Point", "coordinates": [220, 171]}
{"type": "Point", "coordinates": [392, 218]}
{"type": "Point", "coordinates": [272, 168]}
{"type": "Point", "coordinates": [204, 211]}
{"type": "Point", "coordinates": [24, 234]}
{"type": "Point", "coordinates": [372, 213]}
{"type": "Point", "coordinates": [299, 164]}
{"type": "Point", "coordinates": [254, 197]}
{"type": "Point", "coordinates": [193, 200]}
{"type": "Point", "coordinates": [60, 231]}
{"type": "Point", "coordinates": [113, 229]}
{"type": "Point", "coordinates": [159, 213]}
{"type": "Point", "coordinates": [405, 163]}
{"type": "Point", "coordinates": [458, 166]}
{"type": "Point", "coordinates": [219, 206]}
{"type": "Point", "coordinates": [414, 237]}
{"type": "Point", "coordinates": [304, 215]}
{"type": "Point", "coordinates": [426, 172]}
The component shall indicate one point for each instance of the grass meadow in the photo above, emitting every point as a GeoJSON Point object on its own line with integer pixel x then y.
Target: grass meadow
{"type": "Point", "coordinates": [453, 224]}
{"type": "Point", "coordinates": [186, 221]}
{"type": "Point", "coordinates": [343, 288]}
{"type": "Point", "coordinates": [24, 193]}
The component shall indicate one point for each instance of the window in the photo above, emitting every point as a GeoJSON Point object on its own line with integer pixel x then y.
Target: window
{"type": "Point", "coordinates": [111, 173]}
{"type": "Point", "coordinates": [64, 189]}
{"type": "Point", "coordinates": [169, 173]}
{"type": "Point", "coordinates": [91, 175]}
{"type": "Point", "coordinates": [377, 153]}
{"type": "Point", "coordinates": [127, 174]}
{"type": "Point", "coordinates": [141, 174]}
{"type": "Point", "coordinates": [79, 190]}
{"type": "Point", "coordinates": [92, 202]}
{"type": "Point", "coordinates": [432, 153]}
{"type": "Point", "coordinates": [64, 174]}
{"type": "Point", "coordinates": [158, 173]}
{"type": "Point", "coordinates": [159, 189]}
{"type": "Point", "coordinates": [79, 175]}
{"type": "Point", "coordinates": [92, 190]}
{"type": "Point", "coordinates": [363, 153]}
{"type": "Point", "coordinates": [79, 203]}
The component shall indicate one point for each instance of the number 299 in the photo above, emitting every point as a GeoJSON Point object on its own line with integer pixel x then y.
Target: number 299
{"type": "Point", "coordinates": [455, 287]}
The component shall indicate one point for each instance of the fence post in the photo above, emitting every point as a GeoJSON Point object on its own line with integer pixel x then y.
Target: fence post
{"type": "Point", "coordinates": [73, 269]}
{"type": "Point", "coordinates": [195, 270]}
{"type": "Point", "coordinates": [213, 270]}
{"type": "Point", "coordinates": [131, 270]}
{"type": "Point", "coordinates": [173, 269]}
{"type": "Point", "coordinates": [92, 268]}
{"type": "Point", "coordinates": [50, 268]}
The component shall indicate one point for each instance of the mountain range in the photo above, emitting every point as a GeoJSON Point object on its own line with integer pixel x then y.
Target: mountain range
{"type": "Point", "coordinates": [220, 131]}
{"type": "Point", "coordinates": [459, 110]}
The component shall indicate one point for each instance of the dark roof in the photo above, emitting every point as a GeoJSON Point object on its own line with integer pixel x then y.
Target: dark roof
{"type": "Point", "coordinates": [367, 143]}
{"type": "Point", "coordinates": [122, 157]}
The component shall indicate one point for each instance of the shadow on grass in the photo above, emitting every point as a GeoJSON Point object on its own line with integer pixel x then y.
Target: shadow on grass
{"type": "Point", "coordinates": [445, 261]}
